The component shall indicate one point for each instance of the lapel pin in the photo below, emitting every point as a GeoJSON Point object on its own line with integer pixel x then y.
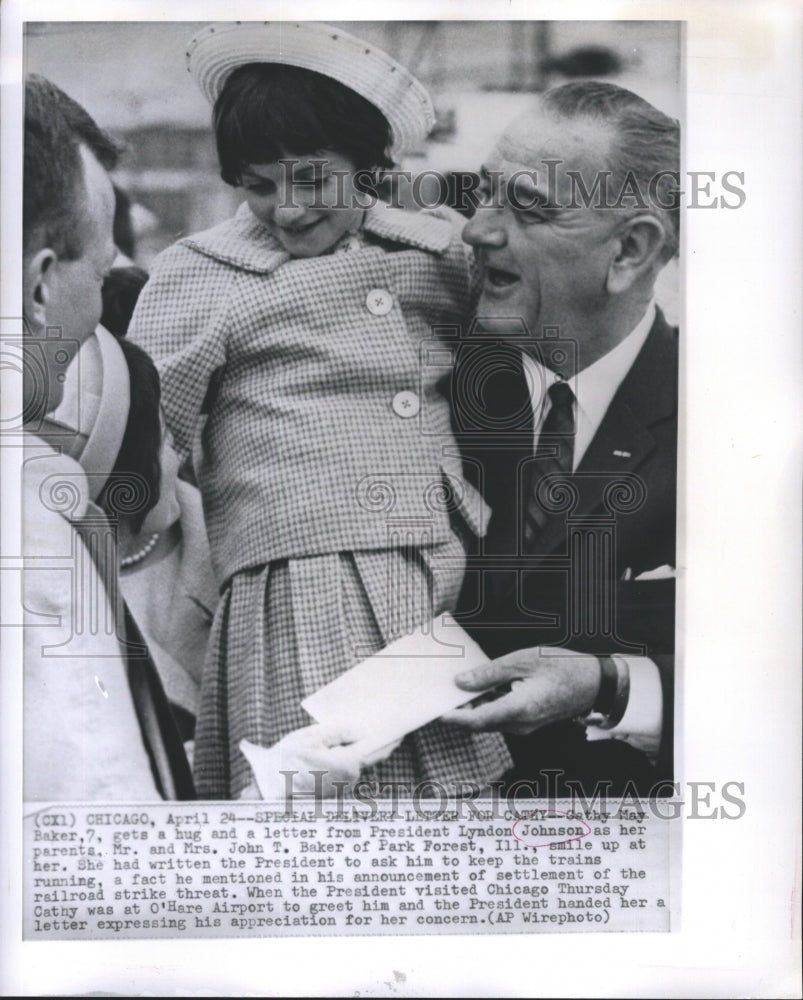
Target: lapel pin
{"type": "Point", "coordinates": [621, 454]}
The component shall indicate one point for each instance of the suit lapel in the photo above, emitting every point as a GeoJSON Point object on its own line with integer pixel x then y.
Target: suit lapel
{"type": "Point", "coordinates": [623, 441]}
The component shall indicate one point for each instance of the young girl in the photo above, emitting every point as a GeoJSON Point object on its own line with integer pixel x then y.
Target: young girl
{"type": "Point", "coordinates": [299, 366]}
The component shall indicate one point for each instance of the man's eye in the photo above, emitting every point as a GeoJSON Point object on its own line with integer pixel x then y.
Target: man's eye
{"type": "Point", "coordinates": [532, 208]}
{"type": "Point", "coordinates": [531, 216]}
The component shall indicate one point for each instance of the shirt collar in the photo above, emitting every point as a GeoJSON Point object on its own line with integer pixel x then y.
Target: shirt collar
{"type": "Point", "coordinates": [246, 243]}
{"type": "Point", "coordinates": [594, 387]}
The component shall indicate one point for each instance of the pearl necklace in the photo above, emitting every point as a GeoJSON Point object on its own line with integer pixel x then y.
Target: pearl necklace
{"type": "Point", "coordinates": [146, 550]}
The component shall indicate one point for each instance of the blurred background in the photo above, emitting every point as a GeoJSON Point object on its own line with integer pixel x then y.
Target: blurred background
{"type": "Point", "coordinates": [133, 80]}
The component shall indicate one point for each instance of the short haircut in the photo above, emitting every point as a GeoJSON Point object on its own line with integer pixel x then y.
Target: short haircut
{"type": "Point", "coordinates": [137, 470]}
{"type": "Point", "coordinates": [266, 112]}
{"type": "Point", "coordinates": [53, 193]}
{"type": "Point", "coordinates": [647, 144]}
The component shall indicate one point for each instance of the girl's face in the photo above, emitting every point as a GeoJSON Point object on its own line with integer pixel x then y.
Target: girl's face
{"type": "Point", "coordinates": [307, 202]}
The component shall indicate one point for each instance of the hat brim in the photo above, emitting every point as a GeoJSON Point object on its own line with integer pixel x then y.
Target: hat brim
{"type": "Point", "coordinates": [97, 398]}
{"type": "Point", "coordinates": [217, 50]}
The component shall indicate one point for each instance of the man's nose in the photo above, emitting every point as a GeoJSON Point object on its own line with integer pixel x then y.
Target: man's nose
{"type": "Point", "coordinates": [485, 228]}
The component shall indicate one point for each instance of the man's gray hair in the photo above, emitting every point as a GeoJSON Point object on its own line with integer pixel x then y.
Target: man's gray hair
{"type": "Point", "coordinates": [646, 155]}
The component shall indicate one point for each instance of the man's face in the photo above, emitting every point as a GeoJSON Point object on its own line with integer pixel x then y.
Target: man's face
{"type": "Point", "coordinates": [544, 261]}
{"type": "Point", "coordinates": [71, 289]}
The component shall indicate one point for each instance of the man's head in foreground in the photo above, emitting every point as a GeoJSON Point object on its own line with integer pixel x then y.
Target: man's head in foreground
{"type": "Point", "coordinates": [68, 246]}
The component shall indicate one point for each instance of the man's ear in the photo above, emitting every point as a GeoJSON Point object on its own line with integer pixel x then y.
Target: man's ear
{"type": "Point", "coordinates": [641, 242]}
{"type": "Point", "coordinates": [38, 280]}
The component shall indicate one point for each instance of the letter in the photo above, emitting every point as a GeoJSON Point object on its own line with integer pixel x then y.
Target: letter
{"type": "Point", "coordinates": [630, 189]}
{"type": "Point", "coordinates": [655, 188]}
{"type": "Point", "coordinates": [697, 189]}
{"type": "Point", "coordinates": [731, 189]}
{"type": "Point", "coordinates": [600, 184]}
{"type": "Point", "coordinates": [735, 800]}
{"type": "Point", "coordinates": [601, 789]}
{"type": "Point", "coordinates": [695, 799]}
{"type": "Point", "coordinates": [675, 807]}
{"type": "Point", "coordinates": [443, 189]}
{"type": "Point", "coordinates": [465, 184]}
{"type": "Point", "coordinates": [364, 185]}
{"type": "Point", "coordinates": [512, 194]}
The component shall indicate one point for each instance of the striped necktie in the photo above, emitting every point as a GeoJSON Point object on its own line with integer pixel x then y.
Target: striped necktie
{"type": "Point", "coordinates": [554, 454]}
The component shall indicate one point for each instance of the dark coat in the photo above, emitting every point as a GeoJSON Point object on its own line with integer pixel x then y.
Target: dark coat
{"type": "Point", "coordinates": [575, 585]}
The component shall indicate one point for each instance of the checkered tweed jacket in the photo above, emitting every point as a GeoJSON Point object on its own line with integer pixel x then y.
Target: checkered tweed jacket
{"type": "Point", "coordinates": [282, 379]}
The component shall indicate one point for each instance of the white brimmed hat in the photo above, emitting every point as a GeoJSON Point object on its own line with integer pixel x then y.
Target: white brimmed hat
{"type": "Point", "coordinates": [220, 48]}
{"type": "Point", "coordinates": [97, 397]}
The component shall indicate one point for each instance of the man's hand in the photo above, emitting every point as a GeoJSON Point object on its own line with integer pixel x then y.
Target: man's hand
{"type": "Point", "coordinates": [547, 684]}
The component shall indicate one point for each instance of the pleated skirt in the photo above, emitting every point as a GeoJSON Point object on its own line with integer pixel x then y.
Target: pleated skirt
{"type": "Point", "coordinates": [285, 629]}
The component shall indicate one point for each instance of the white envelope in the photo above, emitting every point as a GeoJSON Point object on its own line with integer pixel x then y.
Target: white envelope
{"type": "Point", "coordinates": [404, 686]}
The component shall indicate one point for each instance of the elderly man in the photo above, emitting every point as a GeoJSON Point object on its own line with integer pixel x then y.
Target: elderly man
{"type": "Point", "coordinates": [574, 439]}
{"type": "Point", "coordinates": [96, 723]}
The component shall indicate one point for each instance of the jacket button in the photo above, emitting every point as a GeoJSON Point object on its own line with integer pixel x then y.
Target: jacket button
{"type": "Point", "coordinates": [406, 404]}
{"type": "Point", "coordinates": [379, 302]}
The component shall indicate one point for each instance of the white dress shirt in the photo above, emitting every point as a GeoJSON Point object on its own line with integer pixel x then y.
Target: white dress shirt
{"type": "Point", "coordinates": [594, 388]}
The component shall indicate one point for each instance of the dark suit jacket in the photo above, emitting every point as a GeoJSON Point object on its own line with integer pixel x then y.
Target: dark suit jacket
{"type": "Point", "coordinates": [614, 519]}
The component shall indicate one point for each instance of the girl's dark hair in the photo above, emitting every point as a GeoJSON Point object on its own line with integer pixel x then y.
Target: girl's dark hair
{"type": "Point", "coordinates": [120, 291]}
{"type": "Point", "coordinates": [133, 486]}
{"type": "Point", "coordinates": [266, 112]}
